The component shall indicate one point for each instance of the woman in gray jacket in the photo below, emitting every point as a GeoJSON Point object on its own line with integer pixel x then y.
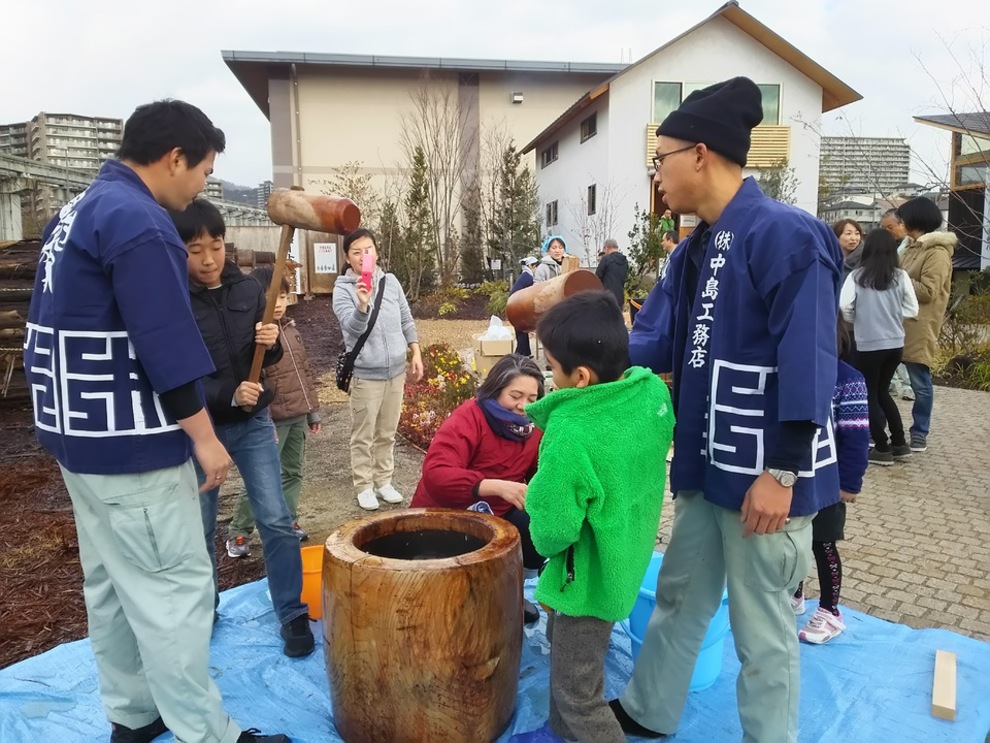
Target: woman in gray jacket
{"type": "Point", "coordinates": [876, 298]}
{"type": "Point", "coordinates": [379, 370]}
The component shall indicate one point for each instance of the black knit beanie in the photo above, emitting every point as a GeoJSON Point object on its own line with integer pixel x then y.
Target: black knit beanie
{"type": "Point", "coordinates": [720, 116]}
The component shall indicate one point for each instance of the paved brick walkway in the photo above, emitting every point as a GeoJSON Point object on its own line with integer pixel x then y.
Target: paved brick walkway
{"type": "Point", "coordinates": [917, 548]}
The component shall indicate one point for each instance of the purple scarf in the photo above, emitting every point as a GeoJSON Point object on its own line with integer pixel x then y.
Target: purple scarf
{"type": "Point", "coordinates": [504, 422]}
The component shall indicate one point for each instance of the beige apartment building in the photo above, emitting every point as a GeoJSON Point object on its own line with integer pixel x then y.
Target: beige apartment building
{"type": "Point", "coordinates": [327, 110]}
{"type": "Point", "coordinates": [79, 143]}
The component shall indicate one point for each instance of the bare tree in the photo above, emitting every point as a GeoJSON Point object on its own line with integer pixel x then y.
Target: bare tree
{"type": "Point", "coordinates": [602, 222]}
{"type": "Point", "coordinates": [779, 181]}
{"type": "Point", "coordinates": [965, 98]}
{"type": "Point", "coordinates": [594, 222]}
{"type": "Point", "coordinates": [353, 181]}
{"type": "Point", "coordinates": [440, 127]}
{"type": "Point", "coordinates": [495, 140]}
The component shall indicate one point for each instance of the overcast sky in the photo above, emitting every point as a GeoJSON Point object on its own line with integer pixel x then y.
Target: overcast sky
{"type": "Point", "coordinates": [106, 56]}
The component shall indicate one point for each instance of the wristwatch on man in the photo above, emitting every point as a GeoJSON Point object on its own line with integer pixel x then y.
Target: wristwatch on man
{"type": "Point", "coordinates": [786, 478]}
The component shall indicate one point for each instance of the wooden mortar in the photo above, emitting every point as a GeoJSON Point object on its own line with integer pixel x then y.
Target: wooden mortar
{"type": "Point", "coordinates": [422, 640]}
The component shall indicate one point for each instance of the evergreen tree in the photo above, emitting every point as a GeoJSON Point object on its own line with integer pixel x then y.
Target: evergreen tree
{"type": "Point", "coordinates": [391, 245]}
{"type": "Point", "coordinates": [645, 246]}
{"type": "Point", "coordinates": [419, 243]}
{"type": "Point", "coordinates": [514, 221]}
{"type": "Point", "coordinates": [473, 268]}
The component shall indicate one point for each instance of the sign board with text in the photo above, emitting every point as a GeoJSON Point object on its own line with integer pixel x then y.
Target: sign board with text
{"type": "Point", "coordinates": [325, 257]}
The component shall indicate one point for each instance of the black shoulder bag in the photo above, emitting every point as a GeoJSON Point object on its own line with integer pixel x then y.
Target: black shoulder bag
{"type": "Point", "coordinates": [345, 361]}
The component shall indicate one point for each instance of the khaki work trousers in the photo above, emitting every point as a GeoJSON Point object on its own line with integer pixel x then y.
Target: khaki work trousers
{"type": "Point", "coordinates": [149, 598]}
{"type": "Point", "coordinates": [706, 551]}
{"type": "Point", "coordinates": [375, 409]}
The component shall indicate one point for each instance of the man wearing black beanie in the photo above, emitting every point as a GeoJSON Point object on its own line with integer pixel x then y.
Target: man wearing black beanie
{"type": "Point", "coordinates": [745, 319]}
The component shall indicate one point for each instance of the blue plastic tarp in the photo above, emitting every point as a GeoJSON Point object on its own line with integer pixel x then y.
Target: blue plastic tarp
{"type": "Point", "coordinates": [873, 683]}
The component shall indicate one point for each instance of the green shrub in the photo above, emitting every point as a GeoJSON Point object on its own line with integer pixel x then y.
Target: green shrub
{"type": "Point", "coordinates": [498, 296]}
{"type": "Point", "coordinates": [978, 375]}
{"type": "Point", "coordinates": [966, 330]}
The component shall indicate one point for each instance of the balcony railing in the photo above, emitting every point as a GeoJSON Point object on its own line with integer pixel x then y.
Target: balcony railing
{"type": "Point", "coordinates": [769, 145]}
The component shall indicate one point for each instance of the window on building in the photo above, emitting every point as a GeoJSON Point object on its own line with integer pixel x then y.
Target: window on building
{"type": "Point", "coordinates": [549, 155]}
{"type": "Point", "coordinates": [771, 104]}
{"type": "Point", "coordinates": [688, 88]}
{"type": "Point", "coordinates": [589, 127]}
{"type": "Point", "coordinates": [968, 176]}
{"type": "Point", "coordinates": [970, 144]}
{"type": "Point", "coordinates": [592, 198]}
{"type": "Point", "coordinates": [551, 214]}
{"type": "Point", "coordinates": [666, 97]}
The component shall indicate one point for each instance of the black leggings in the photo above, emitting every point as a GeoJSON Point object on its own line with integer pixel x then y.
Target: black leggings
{"type": "Point", "coordinates": [829, 575]}
{"type": "Point", "coordinates": [532, 560]}
{"type": "Point", "coordinates": [878, 368]}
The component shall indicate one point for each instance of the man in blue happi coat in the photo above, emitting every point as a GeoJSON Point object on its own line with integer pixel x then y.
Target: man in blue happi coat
{"type": "Point", "coordinates": [745, 319]}
{"type": "Point", "coordinates": [114, 359]}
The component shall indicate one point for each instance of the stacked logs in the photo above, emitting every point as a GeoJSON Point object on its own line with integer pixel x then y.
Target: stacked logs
{"type": "Point", "coordinates": [18, 266]}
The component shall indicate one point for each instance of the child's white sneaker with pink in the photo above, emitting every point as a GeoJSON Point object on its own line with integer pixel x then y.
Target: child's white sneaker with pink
{"type": "Point", "coordinates": [822, 627]}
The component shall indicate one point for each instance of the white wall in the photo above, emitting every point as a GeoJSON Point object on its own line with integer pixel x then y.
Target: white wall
{"type": "Point", "coordinates": [263, 238]}
{"type": "Point", "coordinates": [545, 97]}
{"type": "Point", "coordinates": [985, 246]}
{"type": "Point", "coordinates": [355, 114]}
{"type": "Point", "coordinates": [578, 166]}
{"type": "Point", "coordinates": [716, 51]}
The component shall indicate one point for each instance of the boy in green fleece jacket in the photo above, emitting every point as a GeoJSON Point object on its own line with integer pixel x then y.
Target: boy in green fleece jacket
{"type": "Point", "coordinates": [594, 503]}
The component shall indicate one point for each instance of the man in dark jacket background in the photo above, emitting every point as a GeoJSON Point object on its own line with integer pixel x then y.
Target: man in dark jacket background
{"type": "Point", "coordinates": [613, 270]}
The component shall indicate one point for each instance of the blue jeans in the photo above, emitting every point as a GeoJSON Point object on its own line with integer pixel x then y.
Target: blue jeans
{"type": "Point", "coordinates": [921, 383]}
{"type": "Point", "coordinates": [251, 444]}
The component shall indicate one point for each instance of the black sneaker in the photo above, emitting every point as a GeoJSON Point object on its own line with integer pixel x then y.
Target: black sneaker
{"type": "Point", "coordinates": [253, 735]}
{"type": "Point", "coordinates": [902, 452]}
{"type": "Point", "coordinates": [298, 638]}
{"type": "Point", "coordinates": [919, 442]}
{"type": "Point", "coordinates": [882, 458]}
{"type": "Point", "coordinates": [531, 615]}
{"type": "Point", "coordinates": [146, 734]}
{"type": "Point", "coordinates": [629, 725]}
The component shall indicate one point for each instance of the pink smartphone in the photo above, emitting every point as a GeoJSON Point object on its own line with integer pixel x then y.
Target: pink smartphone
{"type": "Point", "coordinates": [367, 268]}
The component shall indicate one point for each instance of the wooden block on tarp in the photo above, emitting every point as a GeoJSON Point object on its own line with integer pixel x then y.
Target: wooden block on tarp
{"type": "Point", "coordinates": [944, 686]}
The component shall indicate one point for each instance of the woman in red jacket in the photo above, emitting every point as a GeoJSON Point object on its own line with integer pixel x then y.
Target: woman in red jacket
{"type": "Point", "coordinates": [486, 450]}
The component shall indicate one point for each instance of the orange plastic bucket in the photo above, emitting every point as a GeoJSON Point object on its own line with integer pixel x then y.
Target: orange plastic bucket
{"type": "Point", "coordinates": [312, 583]}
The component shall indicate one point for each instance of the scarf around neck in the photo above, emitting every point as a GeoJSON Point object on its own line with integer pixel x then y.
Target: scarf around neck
{"type": "Point", "coordinates": [504, 422]}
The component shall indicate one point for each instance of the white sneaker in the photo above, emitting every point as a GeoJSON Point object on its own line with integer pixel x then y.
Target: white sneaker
{"type": "Point", "coordinates": [367, 499]}
{"type": "Point", "coordinates": [389, 494]}
{"type": "Point", "coordinates": [822, 627]}
{"type": "Point", "coordinates": [798, 605]}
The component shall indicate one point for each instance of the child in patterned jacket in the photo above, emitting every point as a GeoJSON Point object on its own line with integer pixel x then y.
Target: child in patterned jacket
{"type": "Point", "coordinates": [850, 416]}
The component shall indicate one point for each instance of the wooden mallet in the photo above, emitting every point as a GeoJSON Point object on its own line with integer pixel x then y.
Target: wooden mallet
{"type": "Point", "coordinates": [293, 209]}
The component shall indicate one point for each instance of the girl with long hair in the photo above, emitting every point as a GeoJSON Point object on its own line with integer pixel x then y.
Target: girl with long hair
{"type": "Point", "coordinates": [876, 298]}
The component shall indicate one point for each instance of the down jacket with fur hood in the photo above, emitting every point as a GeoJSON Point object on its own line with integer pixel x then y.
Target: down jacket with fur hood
{"type": "Point", "coordinates": [928, 261]}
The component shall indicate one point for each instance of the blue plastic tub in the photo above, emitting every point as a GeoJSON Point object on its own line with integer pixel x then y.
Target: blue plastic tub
{"type": "Point", "coordinates": [709, 663]}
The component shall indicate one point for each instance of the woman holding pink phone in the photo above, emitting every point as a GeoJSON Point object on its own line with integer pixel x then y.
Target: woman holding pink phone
{"type": "Point", "coordinates": [370, 302]}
